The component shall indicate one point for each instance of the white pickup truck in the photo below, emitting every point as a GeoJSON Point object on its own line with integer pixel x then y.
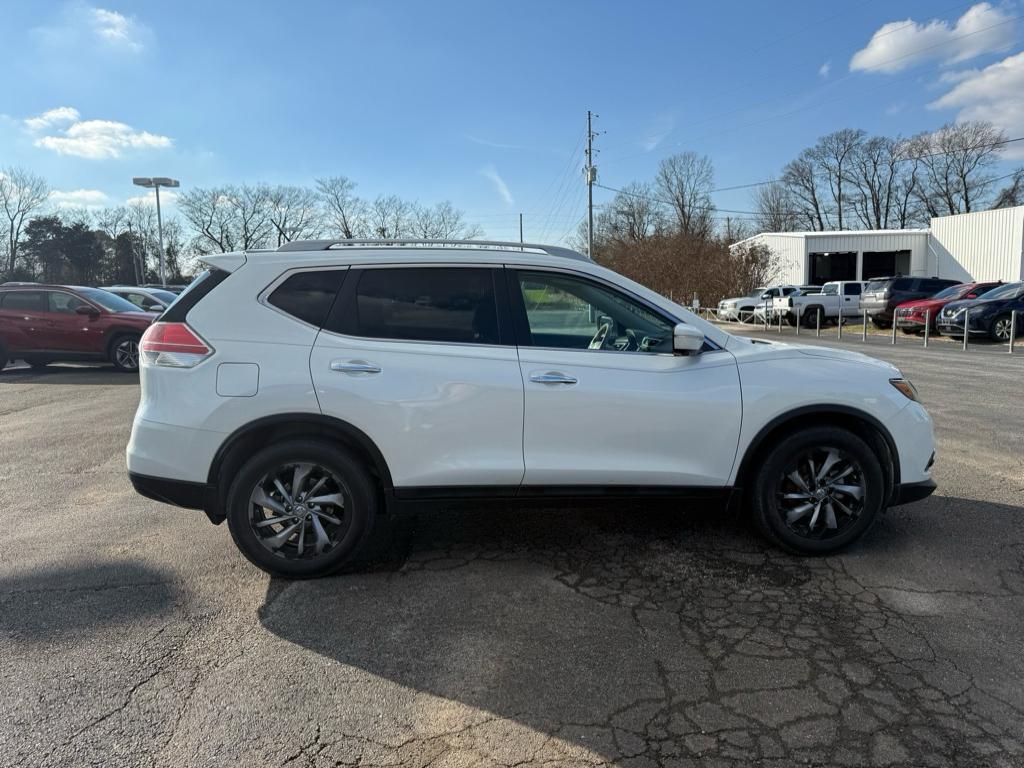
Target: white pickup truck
{"type": "Point", "coordinates": [836, 299]}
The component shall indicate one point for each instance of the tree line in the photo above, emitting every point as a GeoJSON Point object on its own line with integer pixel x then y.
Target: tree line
{"type": "Point", "coordinates": [121, 243]}
{"type": "Point", "coordinates": [850, 180]}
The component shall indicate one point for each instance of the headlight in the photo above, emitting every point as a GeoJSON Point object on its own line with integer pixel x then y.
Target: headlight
{"type": "Point", "coordinates": [908, 389]}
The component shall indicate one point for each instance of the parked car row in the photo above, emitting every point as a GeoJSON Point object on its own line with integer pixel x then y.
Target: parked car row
{"type": "Point", "coordinates": [42, 324]}
{"type": "Point", "coordinates": [912, 301]}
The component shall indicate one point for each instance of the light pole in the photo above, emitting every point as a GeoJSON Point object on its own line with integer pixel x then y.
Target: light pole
{"type": "Point", "coordinates": [156, 182]}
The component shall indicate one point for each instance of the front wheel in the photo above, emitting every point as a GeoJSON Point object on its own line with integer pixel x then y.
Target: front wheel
{"type": "Point", "coordinates": [818, 490]}
{"type": "Point", "coordinates": [124, 353]}
{"type": "Point", "coordinates": [302, 509]}
{"type": "Point", "coordinates": [1001, 328]}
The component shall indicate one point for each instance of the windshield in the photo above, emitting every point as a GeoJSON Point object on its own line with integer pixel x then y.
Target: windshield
{"type": "Point", "coordinates": [107, 300]}
{"type": "Point", "coordinates": [1007, 291]}
{"type": "Point", "coordinates": [877, 286]}
{"type": "Point", "coordinates": [165, 296]}
{"type": "Point", "coordinates": [756, 293]}
{"type": "Point", "coordinates": [953, 292]}
{"type": "Point", "coordinates": [830, 289]}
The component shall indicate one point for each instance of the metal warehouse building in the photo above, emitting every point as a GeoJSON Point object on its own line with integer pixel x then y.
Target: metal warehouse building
{"type": "Point", "coordinates": [981, 246]}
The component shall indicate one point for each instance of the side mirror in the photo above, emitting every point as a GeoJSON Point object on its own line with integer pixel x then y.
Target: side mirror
{"type": "Point", "coordinates": [86, 309]}
{"type": "Point", "coordinates": [152, 308]}
{"type": "Point", "coordinates": [686, 339]}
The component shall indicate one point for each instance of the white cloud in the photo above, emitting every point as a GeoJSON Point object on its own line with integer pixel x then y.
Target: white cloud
{"type": "Point", "coordinates": [78, 198]}
{"type": "Point", "coordinates": [996, 94]}
{"type": "Point", "coordinates": [901, 44]}
{"type": "Point", "coordinates": [93, 139]}
{"type": "Point", "coordinates": [662, 127]}
{"type": "Point", "coordinates": [489, 172]}
{"type": "Point", "coordinates": [52, 117]}
{"type": "Point", "coordinates": [117, 30]}
{"type": "Point", "coordinates": [167, 197]}
{"type": "Point", "coordinates": [824, 69]}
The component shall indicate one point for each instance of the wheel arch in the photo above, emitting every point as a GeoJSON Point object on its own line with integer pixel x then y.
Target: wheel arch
{"type": "Point", "coordinates": [241, 443]}
{"type": "Point", "coordinates": [117, 332]}
{"type": "Point", "coordinates": [861, 423]}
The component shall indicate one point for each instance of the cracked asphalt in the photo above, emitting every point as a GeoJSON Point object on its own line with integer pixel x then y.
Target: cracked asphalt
{"type": "Point", "coordinates": [133, 633]}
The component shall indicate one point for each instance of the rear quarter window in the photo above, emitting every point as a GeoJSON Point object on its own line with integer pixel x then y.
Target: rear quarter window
{"type": "Point", "coordinates": [308, 296]}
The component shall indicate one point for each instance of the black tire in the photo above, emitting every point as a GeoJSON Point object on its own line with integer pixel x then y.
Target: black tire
{"type": "Point", "coordinates": [999, 330]}
{"type": "Point", "coordinates": [881, 324]}
{"type": "Point", "coordinates": [773, 479]}
{"type": "Point", "coordinates": [745, 315]}
{"type": "Point", "coordinates": [791, 319]}
{"type": "Point", "coordinates": [912, 331]}
{"type": "Point", "coordinates": [3, 359]}
{"type": "Point", "coordinates": [360, 518]}
{"type": "Point", "coordinates": [120, 352]}
{"type": "Point", "coordinates": [810, 317]}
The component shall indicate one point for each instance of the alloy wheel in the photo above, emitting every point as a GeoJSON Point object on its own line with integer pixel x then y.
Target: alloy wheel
{"type": "Point", "coordinates": [821, 493]}
{"type": "Point", "coordinates": [297, 511]}
{"type": "Point", "coordinates": [126, 354]}
{"type": "Point", "coordinates": [1001, 328]}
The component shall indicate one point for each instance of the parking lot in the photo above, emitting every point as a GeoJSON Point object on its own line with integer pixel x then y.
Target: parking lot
{"type": "Point", "coordinates": [136, 634]}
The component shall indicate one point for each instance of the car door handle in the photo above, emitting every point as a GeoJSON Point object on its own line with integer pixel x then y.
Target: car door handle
{"type": "Point", "coordinates": [354, 366]}
{"type": "Point", "coordinates": [552, 377]}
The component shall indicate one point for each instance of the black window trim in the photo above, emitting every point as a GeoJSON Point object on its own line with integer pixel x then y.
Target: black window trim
{"type": "Point", "coordinates": [264, 296]}
{"type": "Point", "coordinates": [338, 316]}
{"type": "Point", "coordinates": [521, 324]}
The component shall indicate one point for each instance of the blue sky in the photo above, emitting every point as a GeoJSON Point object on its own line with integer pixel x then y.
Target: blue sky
{"type": "Point", "coordinates": [482, 103]}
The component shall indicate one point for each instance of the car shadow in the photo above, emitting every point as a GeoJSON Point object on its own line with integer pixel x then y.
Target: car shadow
{"type": "Point", "coordinates": [74, 601]}
{"type": "Point", "coordinates": [631, 632]}
{"type": "Point", "coordinates": [69, 373]}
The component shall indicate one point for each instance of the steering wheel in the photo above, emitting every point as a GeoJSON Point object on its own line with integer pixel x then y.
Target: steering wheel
{"type": "Point", "coordinates": [600, 337]}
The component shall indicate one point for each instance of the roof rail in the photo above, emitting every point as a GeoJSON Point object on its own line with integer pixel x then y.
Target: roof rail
{"type": "Point", "coordinates": [326, 245]}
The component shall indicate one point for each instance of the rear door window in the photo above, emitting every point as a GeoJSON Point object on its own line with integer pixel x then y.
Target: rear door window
{"type": "Point", "coordinates": [309, 295]}
{"type": "Point", "coordinates": [440, 304]}
{"type": "Point", "coordinates": [24, 301]}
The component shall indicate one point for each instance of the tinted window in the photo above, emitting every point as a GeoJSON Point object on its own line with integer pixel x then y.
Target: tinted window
{"type": "Point", "coordinates": [852, 289]}
{"type": "Point", "coordinates": [64, 302]}
{"type": "Point", "coordinates": [904, 284]}
{"type": "Point", "coordinates": [1007, 291]}
{"type": "Point", "coordinates": [568, 312]}
{"type": "Point", "coordinates": [107, 300]}
{"type": "Point", "coordinates": [31, 301]}
{"type": "Point", "coordinates": [308, 295]}
{"type": "Point", "coordinates": [954, 292]}
{"type": "Point", "coordinates": [425, 304]}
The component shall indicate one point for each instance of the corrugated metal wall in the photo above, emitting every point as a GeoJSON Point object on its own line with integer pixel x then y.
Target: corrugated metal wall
{"type": "Point", "coordinates": [914, 241]}
{"type": "Point", "coordinates": [981, 246]}
{"type": "Point", "coordinates": [789, 249]}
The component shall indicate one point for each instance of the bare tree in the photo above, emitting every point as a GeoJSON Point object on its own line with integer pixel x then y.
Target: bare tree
{"type": "Point", "coordinates": [874, 173]}
{"type": "Point", "coordinates": [227, 218]}
{"type": "Point", "coordinates": [21, 194]}
{"type": "Point", "coordinates": [956, 164]}
{"type": "Point", "coordinates": [685, 181]}
{"type": "Point", "coordinates": [442, 221]}
{"type": "Point", "coordinates": [633, 215]}
{"type": "Point", "coordinates": [294, 213]}
{"type": "Point", "coordinates": [833, 154]}
{"type": "Point", "coordinates": [346, 214]}
{"type": "Point", "coordinates": [775, 208]}
{"type": "Point", "coordinates": [803, 186]}
{"type": "Point", "coordinates": [1012, 194]}
{"type": "Point", "coordinates": [390, 217]}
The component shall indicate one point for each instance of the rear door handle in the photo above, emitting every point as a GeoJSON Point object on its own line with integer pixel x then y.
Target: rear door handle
{"type": "Point", "coordinates": [354, 366]}
{"type": "Point", "coordinates": [552, 377]}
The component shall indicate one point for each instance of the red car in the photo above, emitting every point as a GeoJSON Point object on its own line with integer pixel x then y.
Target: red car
{"type": "Point", "coordinates": [910, 315]}
{"type": "Point", "coordinates": [41, 324]}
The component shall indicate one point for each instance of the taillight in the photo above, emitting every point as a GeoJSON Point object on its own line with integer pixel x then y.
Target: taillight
{"type": "Point", "coordinates": [174, 345]}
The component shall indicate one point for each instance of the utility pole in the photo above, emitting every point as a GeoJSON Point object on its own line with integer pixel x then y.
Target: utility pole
{"type": "Point", "coordinates": [591, 175]}
{"type": "Point", "coordinates": [520, 229]}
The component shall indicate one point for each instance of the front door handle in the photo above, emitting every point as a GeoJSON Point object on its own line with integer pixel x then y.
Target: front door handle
{"type": "Point", "coordinates": [354, 366]}
{"type": "Point", "coordinates": [552, 377]}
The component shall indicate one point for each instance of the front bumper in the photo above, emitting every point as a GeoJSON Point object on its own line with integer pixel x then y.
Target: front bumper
{"type": "Point", "coordinates": [911, 492]}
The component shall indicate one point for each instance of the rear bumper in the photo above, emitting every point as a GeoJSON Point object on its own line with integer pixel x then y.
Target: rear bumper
{"type": "Point", "coordinates": [180, 493]}
{"type": "Point", "coordinates": [910, 492]}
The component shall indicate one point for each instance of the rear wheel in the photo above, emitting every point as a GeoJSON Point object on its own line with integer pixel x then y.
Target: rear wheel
{"type": "Point", "coordinates": [883, 324]}
{"type": "Point", "coordinates": [818, 490]}
{"type": "Point", "coordinates": [813, 316]}
{"type": "Point", "coordinates": [303, 509]}
{"type": "Point", "coordinates": [124, 353]}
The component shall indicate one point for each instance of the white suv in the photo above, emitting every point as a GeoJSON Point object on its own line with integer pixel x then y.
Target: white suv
{"type": "Point", "coordinates": [304, 394]}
